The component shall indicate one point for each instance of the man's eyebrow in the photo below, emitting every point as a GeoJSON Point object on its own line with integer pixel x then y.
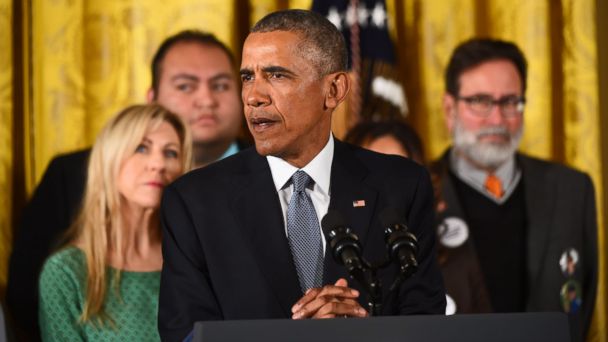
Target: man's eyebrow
{"type": "Point", "coordinates": [245, 71]}
{"type": "Point", "coordinates": [268, 69]}
{"type": "Point", "coordinates": [481, 94]}
{"type": "Point", "coordinates": [188, 77]}
{"type": "Point", "coordinates": [276, 68]}
{"type": "Point", "coordinates": [222, 76]}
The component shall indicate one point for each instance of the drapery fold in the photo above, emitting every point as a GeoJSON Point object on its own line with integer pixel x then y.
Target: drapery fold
{"type": "Point", "coordinates": [6, 134]}
{"type": "Point", "coordinates": [88, 59]}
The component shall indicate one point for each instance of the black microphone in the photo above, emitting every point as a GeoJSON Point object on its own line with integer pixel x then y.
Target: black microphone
{"type": "Point", "coordinates": [343, 243]}
{"type": "Point", "coordinates": [402, 245]}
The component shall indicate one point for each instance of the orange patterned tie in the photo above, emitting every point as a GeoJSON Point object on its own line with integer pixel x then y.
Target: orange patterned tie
{"type": "Point", "coordinates": [493, 186]}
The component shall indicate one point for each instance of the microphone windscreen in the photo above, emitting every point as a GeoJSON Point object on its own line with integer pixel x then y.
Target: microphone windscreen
{"type": "Point", "coordinates": [332, 220]}
{"type": "Point", "coordinates": [390, 216]}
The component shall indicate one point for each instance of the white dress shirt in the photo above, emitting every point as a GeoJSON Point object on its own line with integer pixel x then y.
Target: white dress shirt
{"type": "Point", "coordinates": [319, 169]}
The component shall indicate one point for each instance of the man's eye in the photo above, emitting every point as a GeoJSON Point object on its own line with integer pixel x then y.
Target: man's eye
{"type": "Point", "coordinates": [185, 87]}
{"type": "Point", "coordinates": [277, 75]}
{"type": "Point", "coordinates": [511, 100]}
{"type": "Point", "coordinates": [222, 86]}
{"type": "Point", "coordinates": [481, 100]}
{"type": "Point", "coordinates": [246, 78]}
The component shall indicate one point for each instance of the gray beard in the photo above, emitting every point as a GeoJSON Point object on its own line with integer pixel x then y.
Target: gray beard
{"type": "Point", "coordinates": [485, 154]}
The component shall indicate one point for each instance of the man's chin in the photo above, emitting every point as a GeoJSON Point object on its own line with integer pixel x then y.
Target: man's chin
{"type": "Point", "coordinates": [204, 138]}
{"type": "Point", "coordinates": [493, 140]}
{"type": "Point", "coordinates": [265, 148]}
{"type": "Point", "coordinates": [490, 155]}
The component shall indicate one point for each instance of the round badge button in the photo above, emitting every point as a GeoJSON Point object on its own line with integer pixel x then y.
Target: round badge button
{"type": "Point", "coordinates": [571, 297]}
{"type": "Point", "coordinates": [569, 261]}
{"type": "Point", "coordinates": [453, 232]}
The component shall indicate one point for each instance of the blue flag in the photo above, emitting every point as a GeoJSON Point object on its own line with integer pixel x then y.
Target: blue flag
{"type": "Point", "coordinates": [382, 94]}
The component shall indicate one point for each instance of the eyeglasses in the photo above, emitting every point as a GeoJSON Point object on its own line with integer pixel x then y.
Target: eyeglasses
{"type": "Point", "coordinates": [481, 105]}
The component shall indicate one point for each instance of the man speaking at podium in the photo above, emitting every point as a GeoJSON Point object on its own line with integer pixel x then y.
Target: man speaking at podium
{"type": "Point", "coordinates": [242, 237]}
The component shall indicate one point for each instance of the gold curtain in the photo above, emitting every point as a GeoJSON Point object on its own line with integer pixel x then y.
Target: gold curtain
{"type": "Point", "coordinates": [6, 127]}
{"type": "Point", "coordinates": [90, 58]}
{"type": "Point", "coordinates": [562, 118]}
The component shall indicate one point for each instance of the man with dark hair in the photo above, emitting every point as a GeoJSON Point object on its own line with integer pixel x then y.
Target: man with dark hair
{"type": "Point", "coordinates": [242, 237]}
{"type": "Point", "coordinates": [194, 76]}
{"type": "Point", "coordinates": [508, 219]}
{"type": "Point", "coordinates": [186, 36]}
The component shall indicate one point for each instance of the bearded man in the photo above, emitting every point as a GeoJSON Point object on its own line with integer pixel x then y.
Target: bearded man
{"type": "Point", "coordinates": [508, 222]}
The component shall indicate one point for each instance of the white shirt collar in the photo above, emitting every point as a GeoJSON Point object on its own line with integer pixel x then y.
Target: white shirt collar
{"type": "Point", "coordinates": [319, 168]}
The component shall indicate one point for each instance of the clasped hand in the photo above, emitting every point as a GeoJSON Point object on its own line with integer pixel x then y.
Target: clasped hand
{"type": "Point", "coordinates": [329, 301]}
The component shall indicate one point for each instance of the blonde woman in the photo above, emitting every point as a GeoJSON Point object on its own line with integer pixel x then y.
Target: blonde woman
{"type": "Point", "coordinates": [103, 285]}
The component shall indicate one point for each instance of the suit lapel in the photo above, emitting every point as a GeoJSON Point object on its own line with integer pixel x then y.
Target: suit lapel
{"type": "Point", "coordinates": [347, 187]}
{"type": "Point", "coordinates": [540, 203]}
{"type": "Point", "coordinates": [447, 188]}
{"type": "Point", "coordinates": [469, 288]}
{"type": "Point", "coordinates": [260, 217]}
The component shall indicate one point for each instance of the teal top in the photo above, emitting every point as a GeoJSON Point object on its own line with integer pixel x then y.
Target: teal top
{"type": "Point", "coordinates": [62, 298]}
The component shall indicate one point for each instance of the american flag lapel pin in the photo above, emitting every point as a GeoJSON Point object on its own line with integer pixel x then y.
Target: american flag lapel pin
{"type": "Point", "coordinates": [358, 203]}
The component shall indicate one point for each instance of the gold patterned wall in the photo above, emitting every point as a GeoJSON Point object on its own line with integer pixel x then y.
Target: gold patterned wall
{"type": "Point", "coordinates": [6, 125]}
{"type": "Point", "coordinates": [90, 58]}
{"type": "Point", "coordinates": [581, 123]}
{"type": "Point", "coordinates": [562, 117]}
{"type": "Point", "coordinates": [562, 113]}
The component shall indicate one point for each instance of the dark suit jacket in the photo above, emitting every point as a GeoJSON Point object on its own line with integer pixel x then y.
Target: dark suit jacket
{"type": "Point", "coordinates": [226, 255]}
{"type": "Point", "coordinates": [560, 209]}
{"type": "Point", "coordinates": [46, 217]}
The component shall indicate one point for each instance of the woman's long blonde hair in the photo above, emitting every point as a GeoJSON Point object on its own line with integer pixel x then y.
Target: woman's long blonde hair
{"type": "Point", "coordinates": [99, 225]}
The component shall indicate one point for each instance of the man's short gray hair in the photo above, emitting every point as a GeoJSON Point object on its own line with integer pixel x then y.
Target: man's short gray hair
{"type": "Point", "coordinates": [322, 43]}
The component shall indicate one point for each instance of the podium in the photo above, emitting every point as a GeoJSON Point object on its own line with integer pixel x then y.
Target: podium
{"type": "Point", "coordinates": [521, 327]}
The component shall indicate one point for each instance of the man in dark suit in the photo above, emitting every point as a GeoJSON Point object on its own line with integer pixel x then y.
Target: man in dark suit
{"type": "Point", "coordinates": [516, 233]}
{"type": "Point", "coordinates": [193, 75]}
{"type": "Point", "coordinates": [242, 237]}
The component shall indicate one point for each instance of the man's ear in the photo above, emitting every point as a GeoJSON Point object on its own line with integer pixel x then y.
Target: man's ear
{"type": "Point", "coordinates": [150, 96]}
{"type": "Point", "coordinates": [338, 85]}
{"type": "Point", "coordinates": [449, 111]}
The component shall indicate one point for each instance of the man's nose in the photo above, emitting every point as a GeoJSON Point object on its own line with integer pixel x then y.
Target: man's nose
{"type": "Point", "coordinates": [256, 94]}
{"type": "Point", "coordinates": [205, 98]}
{"type": "Point", "coordinates": [495, 117]}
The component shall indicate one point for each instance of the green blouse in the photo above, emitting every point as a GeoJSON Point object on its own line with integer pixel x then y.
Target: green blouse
{"type": "Point", "coordinates": [62, 297]}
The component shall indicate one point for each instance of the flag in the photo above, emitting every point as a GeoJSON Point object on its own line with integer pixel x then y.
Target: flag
{"type": "Point", "coordinates": [359, 203]}
{"type": "Point", "coordinates": [364, 24]}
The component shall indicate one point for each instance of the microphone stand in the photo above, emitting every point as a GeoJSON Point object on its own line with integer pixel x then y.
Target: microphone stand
{"type": "Point", "coordinates": [367, 277]}
{"type": "Point", "coordinates": [346, 250]}
{"type": "Point", "coordinates": [375, 293]}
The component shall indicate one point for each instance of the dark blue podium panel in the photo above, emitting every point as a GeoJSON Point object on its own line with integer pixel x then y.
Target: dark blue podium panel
{"type": "Point", "coordinates": [520, 327]}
